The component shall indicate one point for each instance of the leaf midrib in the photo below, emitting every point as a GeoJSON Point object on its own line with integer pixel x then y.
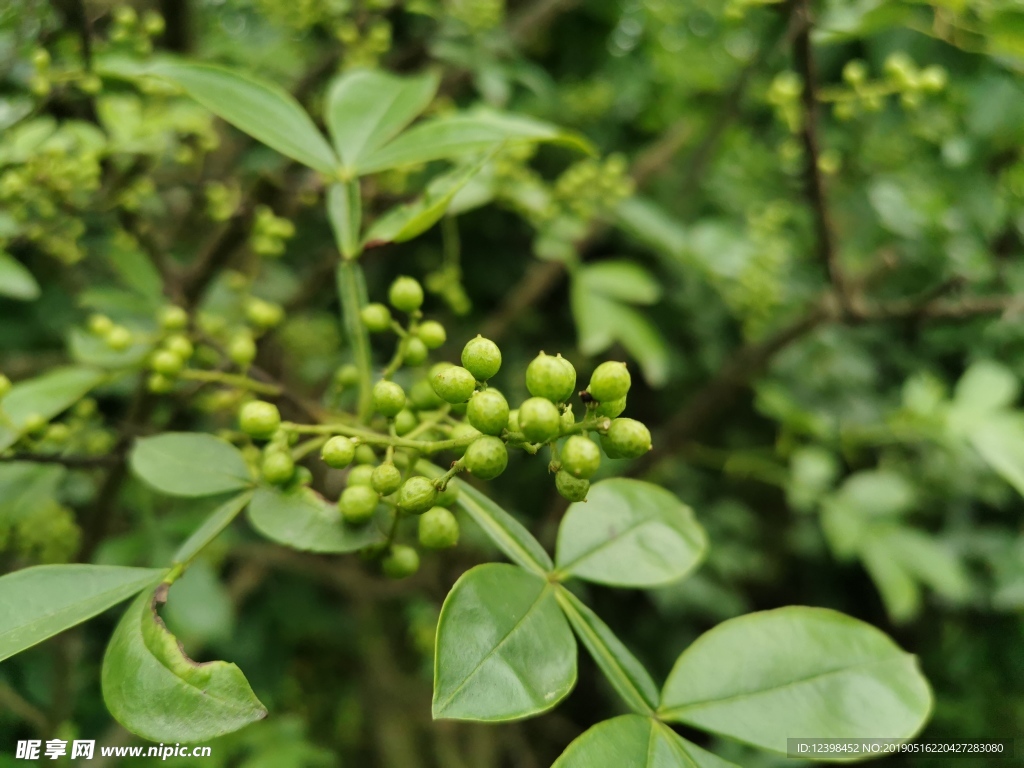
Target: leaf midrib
{"type": "Point", "coordinates": [610, 541]}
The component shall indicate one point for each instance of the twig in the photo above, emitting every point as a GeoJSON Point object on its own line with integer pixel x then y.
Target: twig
{"type": "Point", "coordinates": [23, 709]}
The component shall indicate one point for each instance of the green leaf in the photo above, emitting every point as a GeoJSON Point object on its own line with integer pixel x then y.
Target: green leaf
{"type": "Point", "coordinates": [1000, 441]}
{"type": "Point", "coordinates": [155, 691]}
{"type": "Point", "coordinates": [302, 519]}
{"type": "Point", "coordinates": [654, 227]}
{"type": "Point", "coordinates": [985, 388]}
{"type": "Point", "coordinates": [634, 741]}
{"type": "Point", "coordinates": [39, 602]}
{"type": "Point", "coordinates": [16, 282]}
{"type": "Point", "coordinates": [631, 534]}
{"type": "Point", "coordinates": [404, 222]}
{"type": "Point", "coordinates": [507, 533]}
{"type": "Point", "coordinates": [190, 464]}
{"type": "Point", "coordinates": [46, 395]}
{"type": "Point", "coordinates": [218, 520]}
{"type": "Point", "coordinates": [797, 671]}
{"type": "Point", "coordinates": [626, 674]}
{"type": "Point", "coordinates": [504, 650]}
{"type": "Point", "coordinates": [368, 108]}
{"type": "Point", "coordinates": [449, 137]}
{"type": "Point", "coordinates": [621, 280]}
{"type": "Point", "coordinates": [263, 110]}
{"type": "Point", "coordinates": [345, 211]}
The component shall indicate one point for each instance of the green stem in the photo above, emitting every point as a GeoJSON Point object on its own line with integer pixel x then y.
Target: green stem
{"type": "Point", "coordinates": [352, 294]}
{"type": "Point", "coordinates": [232, 380]}
{"type": "Point", "coordinates": [375, 438]}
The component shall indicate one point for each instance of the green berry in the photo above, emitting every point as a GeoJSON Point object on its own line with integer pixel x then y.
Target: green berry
{"type": "Point", "coordinates": [580, 456]}
{"type": "Point", "coordinates": [57, 433]}
{"type": "Point", "coordinates": [550, 377]}
{"type": "Point", "coordinates": [5, 386]}
{"type": "Point", "coordinates": [438, 529]}
{"type": "Point", "coordinates": [100, 324]}
{"type": "Point", "coordinates": [567, 420]}
{"type": "Point", "coordinates": [242, 350]}
{"type": "Point", "coordinates": [338, 452]}
{"type": "Point", "coordinates": [263, 314]}
{"type": "Point", "coordinates": [610, 381]}
{"type": "Point", "coordinates": [406, 294]}
{"type": "Point", "coordinates": [488, 412]}
{"type": "Point", "coordinates": [259, 419]}
{"type": "Point", "coordinates": [179, 345]}
{"type": "Point", "coordinates": [415, 352]}
{"type": "Point", "coordinates": [386, 479]}
{"type": "Point", "coordinates": [34, 423]}
{"type": "Point", "coordinates": [462, 431]}
{"type": "Point", "coordinates": [366, 455]}
{"type": "Point", "coordinates": [611, 408]}
{"type": "Point", "coordinates": [486, 457]}
{"type": "Point", "coordinates": [159, 384]}
{"type": "Point", "coordinates": [347, 376]}
{"type": "Point", "coordinates": [401, 562]}
{"type": "Point", "coordinates": [118, 338]}
{"type": "Point", "coordinates": [513, 421]}
{"type": "Point", "coordinates": [361, 474]}
{"type": "Point", "coordinates": [357, 504]}
{"type": "Point", "coordinates": [571, 488]}
{"type": "Point", "coordinates": [453, 384]}
{"type": "Point", "coordinates": [539, 419]}
{"type": "Point", "coordinates": [278, 467]}
{"type": "Point", "coordinates": [376, 318]}
{"type": "Point", "coordinates": [301, 477]}
{"type": "Point", "coordinates": [432, 333]}
{"type": "Point", "coordinates": [388, 398]}
{"type": "Point", "coordinates": [481, 357]}
{"type": "Point", "coordinates": [628, 438]}
{"type": "Point", "coordinates": [417, 495]}
{"type": "Point", "coordinates": [448, 496]}
{"type": "Point", "coordinates": [85, 408]}
{"type": "Point", "coordinates": [405, 422]}
{"type": "Point", "coordinates": [423, 397]}
{"type": "Point", "coordinates": [173, 318]}
{"type": "Point", "coordinates": [167, 363]}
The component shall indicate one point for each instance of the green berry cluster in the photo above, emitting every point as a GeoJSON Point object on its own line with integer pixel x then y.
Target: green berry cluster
{"type": "Point", "coordinates": [269, 232]}
{"type": "Point", "coordinates": [902, 77]}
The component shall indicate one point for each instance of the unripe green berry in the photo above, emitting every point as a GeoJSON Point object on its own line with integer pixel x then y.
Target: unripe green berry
{"type": "Point", "coordinates": [242, 350]}
{"type": "Point", "coordinates": [401, 562]}
{"type": "Point", "coordinates": [357, 504]}
{"type": "Point", "coordinates": [159, 384]}
{"type": "Point", "coordinates": [57, 433]}
{"type": "Point", "coordinates": [100, 324]}
{"type": "Point", "coordinates": [513, 421]}
{"type": "Point", "coordinates": [611, 408]}
{"type": "Point", "coordinates": [453, 384]}
{"type": "Point", "coordinates": [388, 398]}
{"type": "Point", "coordinates": [486, 457]}
{"type": "Point", "coordinates": [338, 452]}
{"type": "Point", "coordinates": [263, 314]}
{"type": "Point", "coordinates": [462, 431]}
{"type": "Point", "coordinates": [366, 455]}
{"type": "Point", "coordinates": [386, 479]}
{"type": "Point", "coordinates": [361, 474]}
{"type": "Point", "coordinates": [481, 357]}
{"type": "Point", "coordinates": [423, 397]}
{"type": "Point", "coordinates": [405, 422]}
{"type": "Point", "coordinates": [278, 467]}
{"type": "Point", "coordinates": [259, 419]}
{"type": "Point", "coordinates": [488, 411]}
{"type": "Point", "coordinates": [5, 386]}
{"type": "Point", "coordinates": [550, 377]}
{"type": "Point", "coordinates": [376, 317]}
{"type": "Point", "coordinates": [432, 333]}
{"type": "Point", "coordinates": [539, 419]}
{"type": "Point", "coordinates": [173, 318]}
{"type": "Point", "coordinates": [179, 345]}
{"type": "Point", "coordinates": [438, 529]}
{"type": "Point", "coordinates": [580, 456]}
{"type": "Point", "coordinates": [571, 488]}
{"type": "Point", "coordinates": [167, 363]}
{"type": "Point", "coordinates": [34, 423]}
{"type": "Point", "coordinates": [448, 496]}
{"type": "Point", "coordinates": [567, 420]}
{"type": "Point", "coordinates": [302, 476]}
{"type": "Point", "coordinates": [417, 495]}
{"type": "Point", "coordinates": [415, 352]}
{"type": "Point", "coordinates": [627, 438]}
{"type": "Point", "coordinates": [118, 338]}
{"type": "Point", "coordinates": [346, 376]}
{"type": "Point", "coordinates": [406, 294]}
{"type": "Point", "coordinates": [610, 381]}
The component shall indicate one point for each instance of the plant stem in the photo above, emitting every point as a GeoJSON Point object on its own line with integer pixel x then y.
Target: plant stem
{"type": "Point", "coordinates": [352, 295]}
{"type": "Point", "coordinates": [232, 380]}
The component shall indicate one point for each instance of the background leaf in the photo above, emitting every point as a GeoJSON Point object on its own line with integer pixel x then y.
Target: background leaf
{"type": "Point", "coordinates": [46, 395]}
{"type": "Point", "coordinates": [16, 282]}
{"type": "Point", "coordinates": [504, 650]}
{"type": "Point", "coordinates": [190, 464]}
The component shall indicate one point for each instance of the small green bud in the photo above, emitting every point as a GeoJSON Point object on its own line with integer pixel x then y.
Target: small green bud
{"type": "Point", "coordinates": [486, 457]}
{"type": "Point", "coordinates": [417, 495]}
{"type": "Point", "coordinates": [610, 381]}
{"type": "Point", "coordinates": [338, 452]}
{"type": "Point", "coordinates": [167, 363]}
{"type": "Point", "coordinates": [571, 488]}
{"type": "Point", "coordinates": [481, 357]}
{"type": "Point", "coordinates": [580, 456]}
{"type": "Point", "coordinates": [550, 377]}
{"type": "Point", "coordinates": [438, 529]}
{"type": "Point", "coordinates": [432, 333]}
{"type": "Point", "coordinates": [453, 384]}
{"type": "Point", "coordinates": [405, 422]}
{"type": "Point", "coordinates": [357, 504]}
{"type": "Point", "coordinates": [376, 318]}
{"type": "Point", "coordinates": [401, 562]}
{"type": "Point", "coordinates": [415, 352]}
{"type": "Point", "coordinates": [567, 420]}
{"type": "Point", "coordinates": [173, 318]}
{"type": "Point", "coordinates": [627, 439]}
{"type": "Point", "coordinates": [386, 479]}
{"type": "Point", "coordinates": [539, 419]}
{"type": "Point", "coordinates": [259, 419]}
{"type": "Point", "coordinates": [406, 294]}
{"type": "Point", "coordinates": [388, 398]}
{"type": "Point", "coordinates": [488, 411]}
{"type": "Point", "coordinates": [361, 474]}
{"type": "Point", "coordinates": [278, 466]}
